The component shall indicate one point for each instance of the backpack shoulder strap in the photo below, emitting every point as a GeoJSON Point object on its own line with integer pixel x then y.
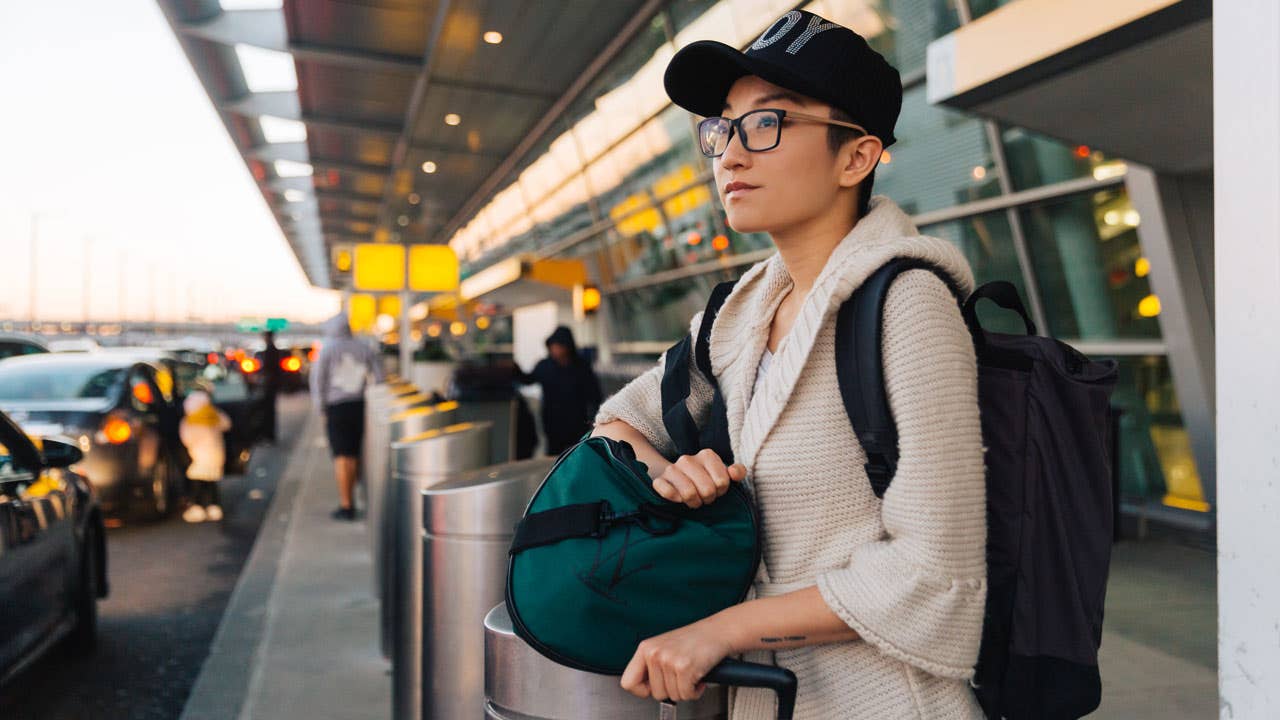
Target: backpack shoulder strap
{"type": "Point", "coordinates": [679, 423]}
{"type": "Point", "coordinates": [860, 368]}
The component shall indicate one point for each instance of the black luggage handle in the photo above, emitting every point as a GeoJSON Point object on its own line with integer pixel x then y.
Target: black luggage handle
{"type": "Point", "coordinates": [745, 674]}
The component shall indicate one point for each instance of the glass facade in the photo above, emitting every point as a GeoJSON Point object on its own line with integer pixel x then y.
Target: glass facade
{"type": "Point", "coordinates": [623, 187]}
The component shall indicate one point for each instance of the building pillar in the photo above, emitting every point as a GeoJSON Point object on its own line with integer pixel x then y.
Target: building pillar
{"type": "Point", "coordinates": [1176, 232]}
{"type": "Point", "coordinates": [1246, 110]}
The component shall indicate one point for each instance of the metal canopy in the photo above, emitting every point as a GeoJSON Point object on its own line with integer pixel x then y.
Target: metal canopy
{"type": "Point", "coordinates": [376, 80]}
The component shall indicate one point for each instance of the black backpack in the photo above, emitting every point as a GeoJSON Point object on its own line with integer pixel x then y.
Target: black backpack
{"type": "Point", "coordinates": [1046, 424]}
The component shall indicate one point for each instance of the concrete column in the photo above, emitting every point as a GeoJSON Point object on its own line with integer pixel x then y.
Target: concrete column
{"type": "Point", "coordinates": [1176, 227]}
{"type": "Point", "coordinates": [1246, 110]}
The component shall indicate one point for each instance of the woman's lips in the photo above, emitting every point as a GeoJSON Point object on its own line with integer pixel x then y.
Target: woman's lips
{"type": "Point", "coordinates": [735, 190]}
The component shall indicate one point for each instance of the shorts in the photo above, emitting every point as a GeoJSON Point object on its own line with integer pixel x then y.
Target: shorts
{"type": "Point", "coordinates": [345, 425]}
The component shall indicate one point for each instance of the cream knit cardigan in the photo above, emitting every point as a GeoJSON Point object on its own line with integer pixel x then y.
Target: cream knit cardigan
{"type": "Point", "coordinates": [907, 573]}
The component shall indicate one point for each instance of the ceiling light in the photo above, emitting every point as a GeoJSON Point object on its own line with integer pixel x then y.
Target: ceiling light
{"type": "Point", "coordinates": [402, 221]}
{"type": "Point", "coordinates": [979, 172]}
{"type": "Point", "coordinates": [290, 168]}
{"type": "Point", "coordinates": [266, 70]}
{"type": "Point", "coordinates": [279, 130]}
{"type": "Point", "coordinates": [294, 195]}
{"type": "Point", "coordinates": [414, 198]}
{"type": "Point", "coordinates": [452, 119]}
{"type": "Point", "coordinates": [493, 37]}
{"type": "Point", "coordinates": [428, 167]}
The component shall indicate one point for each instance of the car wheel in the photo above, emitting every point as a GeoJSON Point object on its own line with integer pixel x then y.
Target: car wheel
{"type": "Point", "coordinates": [161, 488]}
{"type": "Point", "coordinates": [85, 636]}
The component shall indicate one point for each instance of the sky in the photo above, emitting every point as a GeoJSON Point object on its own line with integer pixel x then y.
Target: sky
{"type": "Point", "coordinates": [111, 148]}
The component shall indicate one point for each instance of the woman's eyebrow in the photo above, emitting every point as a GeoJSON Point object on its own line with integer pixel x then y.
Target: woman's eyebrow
{"type": "Point", "coordinates": [770, 98]}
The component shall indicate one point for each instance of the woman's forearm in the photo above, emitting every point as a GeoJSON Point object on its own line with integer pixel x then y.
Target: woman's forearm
{"type": "Point", "coordinates": [645, 452]}
{"type": "Point", "coordinates": [793, 620]}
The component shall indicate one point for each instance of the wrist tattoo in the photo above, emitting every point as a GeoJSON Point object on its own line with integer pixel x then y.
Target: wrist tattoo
{"type": "Point", "coordinates": [789, 638]}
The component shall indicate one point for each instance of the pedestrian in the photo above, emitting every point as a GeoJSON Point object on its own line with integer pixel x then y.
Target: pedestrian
{"type": "Point", "coordinates": [201, 430]}
{"type": "Point", "coordinates": [338, 380]}
{"type": "Point", "coordinates": [875, 604]}
{"type": "Point", "coordinates": [270, 385]}
{"type": "Point", "coordinates": [570, 391]}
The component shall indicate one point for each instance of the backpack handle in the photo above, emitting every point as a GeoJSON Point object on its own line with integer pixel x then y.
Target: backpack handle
{"type": "Point", "coordinates": [1004, 294]}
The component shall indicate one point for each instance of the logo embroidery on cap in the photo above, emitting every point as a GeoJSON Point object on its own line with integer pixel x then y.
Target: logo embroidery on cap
{"type": "Point", "coordinates": [790, 20]}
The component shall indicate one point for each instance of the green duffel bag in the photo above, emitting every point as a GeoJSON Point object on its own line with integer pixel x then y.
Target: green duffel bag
{"type": "Point", "coordinates": [601, 562]}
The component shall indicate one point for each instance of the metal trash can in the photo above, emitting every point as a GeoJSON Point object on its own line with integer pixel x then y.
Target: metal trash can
{"type": "Point", "coordinates": [467, 524]}
{"type": "Point", "coordinates": [520, 684]}
{"type": "Point", "coordinates": [402, 424]}
{"type": "Point", "coordinates": [419, 462]}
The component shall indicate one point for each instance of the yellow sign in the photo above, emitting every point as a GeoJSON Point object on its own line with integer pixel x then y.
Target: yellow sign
{"type": "Point", "coordinates": [692, 198]}
{"type": "Point", "coordinates": [433, 268]}
{"type": "Point", "coordinates": [647, 219]}
{"type": "Point", "coordinates": [379, 266]}
{"type": "Point", "coordinates": [389, 305]}
{"type": "Point", "coordinates": [361, 312]}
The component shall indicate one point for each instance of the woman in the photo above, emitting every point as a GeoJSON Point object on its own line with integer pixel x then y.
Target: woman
{"type": "Point", "coordinates": [875, 605]}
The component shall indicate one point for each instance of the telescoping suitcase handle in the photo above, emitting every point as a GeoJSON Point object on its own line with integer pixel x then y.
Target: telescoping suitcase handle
{"type": "Point", "coordinates": [745, 674]}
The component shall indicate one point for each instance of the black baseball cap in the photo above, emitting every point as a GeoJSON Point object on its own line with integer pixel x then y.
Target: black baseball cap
{"type": "Point", "coordinates": [802, 52]}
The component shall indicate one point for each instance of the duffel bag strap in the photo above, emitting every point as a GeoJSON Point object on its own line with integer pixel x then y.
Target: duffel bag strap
{"type": "Point", "coordinates": [586, 520]}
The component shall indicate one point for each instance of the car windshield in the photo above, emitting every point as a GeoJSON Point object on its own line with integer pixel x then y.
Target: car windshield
{"type": "Point", "coordinates": [57, 382]}
{"type": "Point", "coordinates": [10, 348]}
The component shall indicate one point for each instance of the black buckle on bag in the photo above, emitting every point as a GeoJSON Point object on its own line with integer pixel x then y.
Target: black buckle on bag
{"type": "Point", "coordinates": [647, 517]}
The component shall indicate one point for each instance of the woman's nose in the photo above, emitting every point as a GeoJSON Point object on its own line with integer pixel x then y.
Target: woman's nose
{"type": "Point", "coordinates": [735, 154]}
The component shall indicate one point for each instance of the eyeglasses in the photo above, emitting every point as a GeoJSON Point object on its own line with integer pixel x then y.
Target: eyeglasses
{"type": "Point", "coordinates": [760, 130]}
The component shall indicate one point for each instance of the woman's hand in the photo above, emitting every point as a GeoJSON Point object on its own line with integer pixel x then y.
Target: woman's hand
{"type": "Point", "coordinates": [671, 666]}
{"type": "Point", "coordinates": [697, 480]}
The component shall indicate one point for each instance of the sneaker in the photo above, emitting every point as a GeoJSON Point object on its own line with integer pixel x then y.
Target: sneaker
{"type": "Point", "coordinates": [343, 514]}
{"type": "Point", "coordinates": [194, 514]}
{"type": "Point", "coordinates": [213, 512]}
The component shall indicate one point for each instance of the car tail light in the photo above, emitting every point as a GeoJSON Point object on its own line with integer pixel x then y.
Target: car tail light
{"type": "Point", "coordinates": [211, 358]}
{"type": "Point", "coordinates": [142, 393]}
{"type": "Point", "coordinates": [250, 365]}
{"type": "Point", "coordinates": [115, 431]}
{"type": "Point", "coordinates": [312, 353]}
{"type": "Point", "coordinates": [290, 364]}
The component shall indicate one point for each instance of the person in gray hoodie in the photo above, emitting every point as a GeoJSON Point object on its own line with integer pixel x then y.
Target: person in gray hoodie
{"type": "Point", "coordinates": [338, 380]}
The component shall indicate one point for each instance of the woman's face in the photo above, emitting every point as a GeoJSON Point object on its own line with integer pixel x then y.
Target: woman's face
{"type": "Point", "coordinates": [789, 186]}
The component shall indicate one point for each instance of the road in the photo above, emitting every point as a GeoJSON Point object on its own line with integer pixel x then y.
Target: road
{"type": "Point", "coordinates": [170, 582]}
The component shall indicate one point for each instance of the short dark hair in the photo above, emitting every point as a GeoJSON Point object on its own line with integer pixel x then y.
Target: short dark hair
{"type": "Point", "coordinates": [837, 136]}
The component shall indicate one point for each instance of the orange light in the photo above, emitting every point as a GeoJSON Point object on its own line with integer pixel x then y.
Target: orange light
{"type": "Point", "coordinates": [116, 430]}
{"type": "Point", "coordinates": [694, 238]}
{"type": "Point", "coordinates": [1083, 151]}
{"type": "Point", "coordinates": [886, 157]}
{"type": "Point", "coordinates": [211, 358]}
{"type": "Point", "coordinates": [250, 365]}
{"type": "Point", "coordinates": [590, 299]}
{"type": "Point", "coordinates": [311, 354]}
{"type": "Point", "coordinates": [142, 393]}
{"type": "Point", "coordinates": [720, 243]}
{"type": "Point", "coordinates": [238, 355]}
{"type": "Point", "coordinates": [291, 364]}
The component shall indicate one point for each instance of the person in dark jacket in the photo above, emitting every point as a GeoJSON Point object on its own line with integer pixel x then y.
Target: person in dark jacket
{"type": "Point", "coordinates": [570, 391]}
{"type": "Point", "coordinates": [270, 385]}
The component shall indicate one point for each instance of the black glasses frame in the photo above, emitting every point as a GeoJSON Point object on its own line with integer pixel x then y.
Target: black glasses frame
{"type": "Point", "coordinates": [735, 126]}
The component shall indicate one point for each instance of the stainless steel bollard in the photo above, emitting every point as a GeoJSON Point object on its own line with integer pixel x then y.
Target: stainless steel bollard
{"type": "Point", "coordinates": [375, 464]}
{"type": "Point", "coordinates": [402, 424]}
{"type": "Point", "coordinates": [467, 525]}
{"type": "Point", "coordinates": [420, 462]}
{"type": "Point", "coordinates": [520, 684]}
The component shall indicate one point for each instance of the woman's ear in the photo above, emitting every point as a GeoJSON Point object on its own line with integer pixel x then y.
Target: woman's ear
{"type": "Point", "coordinates": [858, 158]}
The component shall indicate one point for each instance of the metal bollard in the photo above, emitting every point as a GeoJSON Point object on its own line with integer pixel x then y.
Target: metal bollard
{"type": "Point", "coordinates": [520, 684]}
{"type": "Point", "coordinates": [421, 461]}
{"type": "Point", "coordinates": [467, 529]}
{"type": "Point", "coordinates": [402, 424]}
{"type": "Point", "coordinates": [375, 463]}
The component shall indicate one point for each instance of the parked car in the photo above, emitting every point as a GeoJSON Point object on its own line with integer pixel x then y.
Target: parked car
{"type": "Point", "coordinates": [74, 345]}
{"type": "Point", "coordinates": [12, 344]}
{"type": "Point", "coordinates": [53, 557]}
{"type": "Point", "coordinates": [242, 403]}
{"type": "Point", "coordinates": [112, 407]}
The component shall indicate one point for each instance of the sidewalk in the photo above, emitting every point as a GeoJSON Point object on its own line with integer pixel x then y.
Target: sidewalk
{"type": "Point", "coordinates": [299, 640]}
{"type": "Point", "coordinates": [300, 635]}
